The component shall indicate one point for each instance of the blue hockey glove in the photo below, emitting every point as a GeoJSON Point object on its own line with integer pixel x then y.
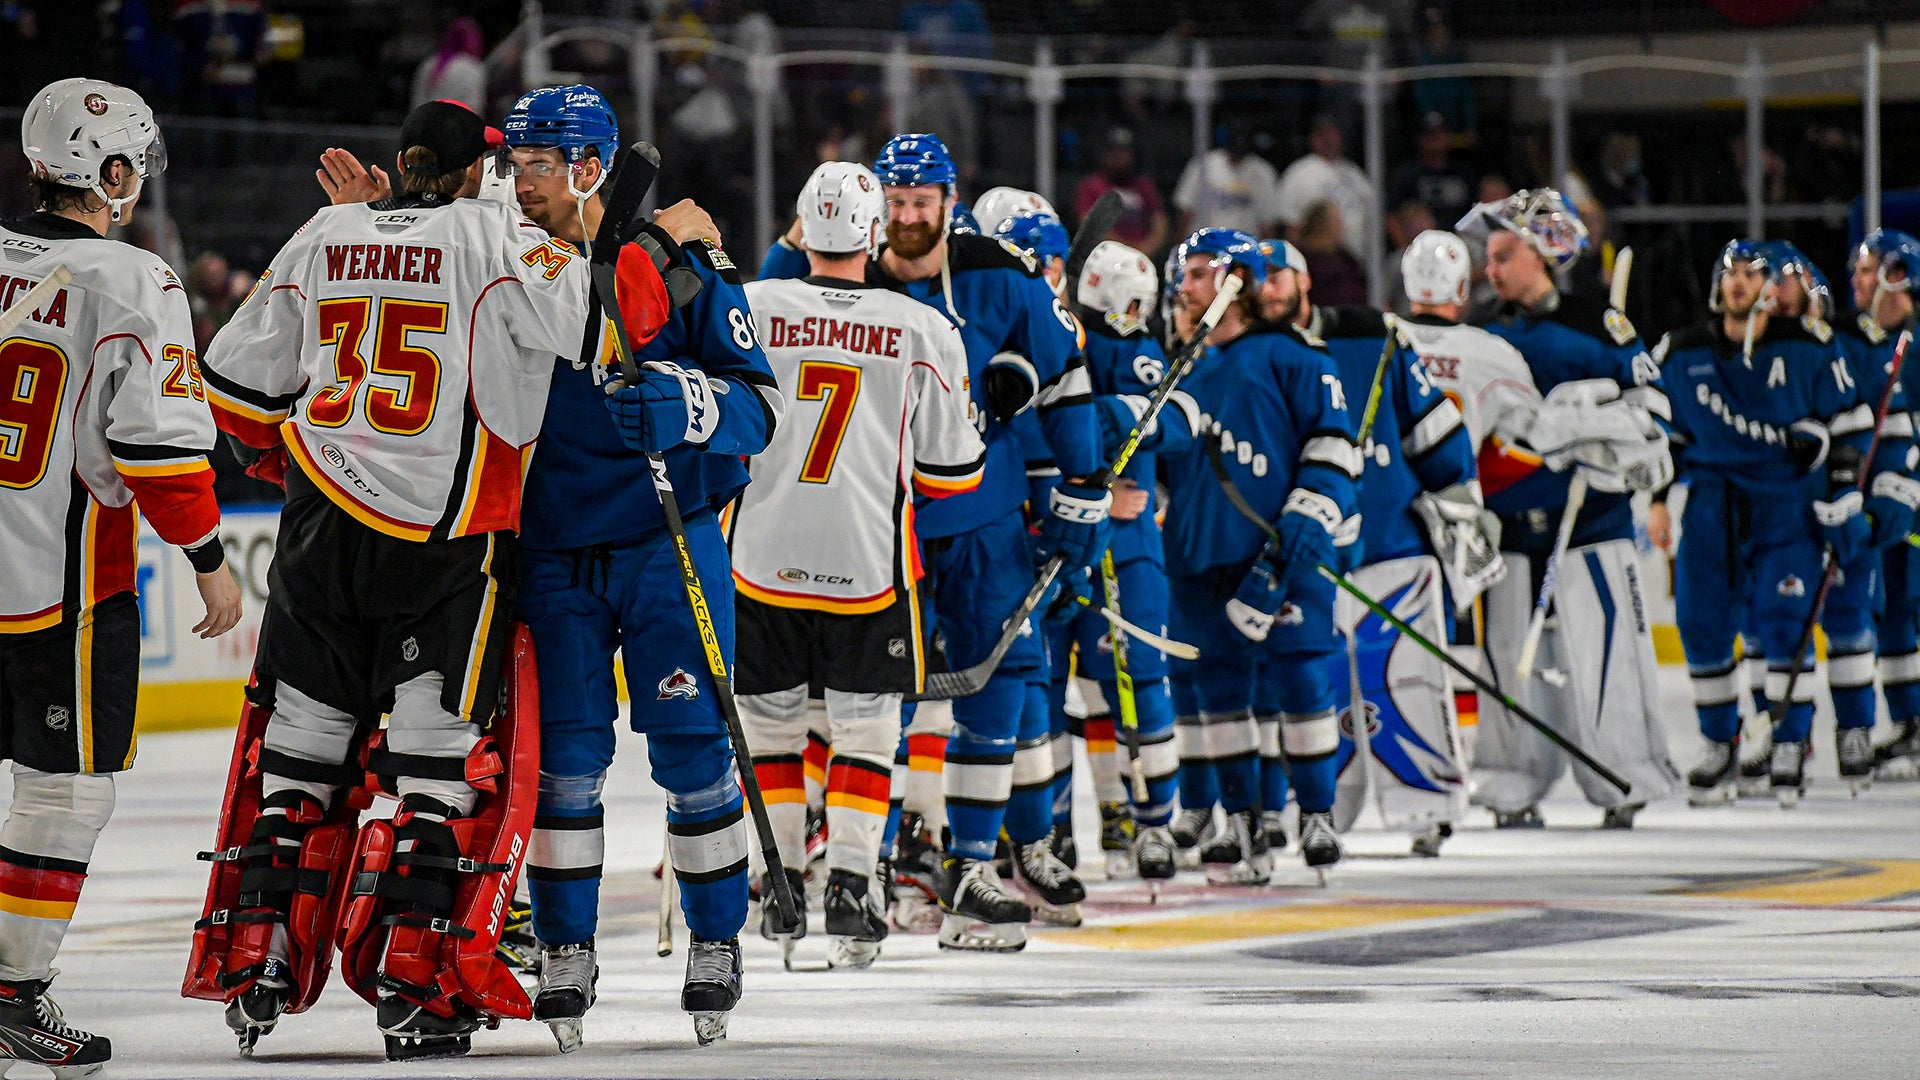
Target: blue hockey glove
{"type": "Point", "coordinates": [1062, 601]}
{"type": "Point", "coordinates": [1257, 602]}
{"type": "Point", "coordinates": [1077, 528]}
{"type": "Point", "coordinates": [669, 406]}
{"type": "Point", "coordinates": [1306, 528]}
{"type": "Point", "coordinates": [1842, 525]}
{"type": "Point", "coordinates": [1891, 500]}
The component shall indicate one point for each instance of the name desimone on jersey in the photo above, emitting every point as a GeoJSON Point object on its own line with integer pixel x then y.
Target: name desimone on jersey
{"type": "Point", "coordinates": [873, 338]}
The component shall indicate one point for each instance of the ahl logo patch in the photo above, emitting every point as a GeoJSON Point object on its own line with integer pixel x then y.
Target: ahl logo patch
{"type": "Point", "coordinates": [57, 717]}
{"type": "Point", "coordinates": [679, 684]}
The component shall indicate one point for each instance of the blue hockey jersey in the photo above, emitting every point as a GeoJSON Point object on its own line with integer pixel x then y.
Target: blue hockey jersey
{"type": "Point", "coordinates": [1276, 405]}
{"type": "Point", "coordinates": [1005, 306]}
{"type": "Point", "coordinates": [1737, 419]}
{"type": "Point", "coordinates": [1869, 349]}
{"type": "Point", "coordinates": [1566, 338]}
{"type": "Point", "coordinates": [1419, 442]}
{"type": "Point", "coordinates": [586, 487]}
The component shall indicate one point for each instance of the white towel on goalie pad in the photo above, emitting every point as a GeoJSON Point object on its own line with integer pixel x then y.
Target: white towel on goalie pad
{"type": "Point", "coordinates": [1415, 771]}
{"type": "Point", "coordinates": [1595, 680]}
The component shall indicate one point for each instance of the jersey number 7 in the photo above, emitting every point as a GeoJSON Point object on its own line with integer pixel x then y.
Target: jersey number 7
{"type": "Point", "coordinates": [838, 385]}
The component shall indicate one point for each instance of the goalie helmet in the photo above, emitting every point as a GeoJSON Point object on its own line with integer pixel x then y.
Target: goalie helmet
{"type": "Point", "coordinates": [73, 127]}
{"type": "Point", "coordinates": [841, 209]}
{"type": "Point", "coordinates": [1118, 282]}
{"type": "Point", "coordinates": [1741, 253]}
{"type": "Point", "coordinates": [996, 207]}
{"type": "Point", "coordinates": [914, 159]}
{"type": "Point", "coordinates": [1436, 268]}
{"type": "Point", "coordinates": [1897, 251]}
{"type": "Point", "coordinates": [1036, 231]}
{"type": "Point", "coordinates": [1541, 217]}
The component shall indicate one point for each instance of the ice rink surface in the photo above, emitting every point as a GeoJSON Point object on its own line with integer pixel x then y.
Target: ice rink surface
{"type": "Point", "coordinates": [1744, 941]}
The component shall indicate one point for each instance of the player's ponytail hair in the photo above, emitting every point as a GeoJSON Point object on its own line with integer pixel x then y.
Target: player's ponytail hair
{"type": "Point", "coordinates": [420, 175]}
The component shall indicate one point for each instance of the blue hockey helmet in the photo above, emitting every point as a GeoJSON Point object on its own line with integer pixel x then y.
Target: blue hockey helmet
{"type": "Point", "coordinates": [1790, 262]}
{"type": "Point", "coordinates": [1896, 251]}
{"type": "Point", "coordinates": [572, 119]}
{"type": "Point", "coordinates": [1227, 249]}
{"type": "Point", "coordinates": [914, 159]}
{"type": "Point", "coordinates": [1038, 232]}
{"type": "Point", "coordinates": [961, 220]}
{"type": "Point", "coordinates": [1741, 253]}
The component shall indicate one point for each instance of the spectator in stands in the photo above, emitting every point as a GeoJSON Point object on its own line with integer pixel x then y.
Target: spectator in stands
{"type": "Point", "coordinates": [1620, 179]}
{"type": "Point", "coordinates": [941, 104]}
{"type": "Point", "coordinates": [1338, 277]}
{"type": "Point", "coordinates": [220, 53]}
{"type": "Point", "coordinates": [1404, 222]}
{"type": "Point", "coordinates": [1228, 187]}
{"type": "Point", "coordinates": [1433, 177]}
{"type": "Point", "coordinates": [1144, 224]}
{"type": "Point", "coordinates": [950, 28]}
{"type": "Point", "coordinates": [1449, 95]}
{"type": "Point", "coordinates": [1145, 96]}
{"type": "Point", "coordinates": [214, 293]}
{"type": "Point", "coordinates": [457, 70]}
{"type": "Point", "coordinates": [1323, 175]}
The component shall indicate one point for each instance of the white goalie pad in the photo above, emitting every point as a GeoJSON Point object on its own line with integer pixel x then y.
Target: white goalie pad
{"type": "Point", "coordinates": [1413, 770]}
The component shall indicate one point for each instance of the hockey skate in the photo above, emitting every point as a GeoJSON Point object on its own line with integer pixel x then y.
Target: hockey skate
{"type": "Point", "coordinates": [855, 924]}
{"type": "Point", "coordinates": [1065, 847]}
{"type": "Point", "coordinates": [1715, 779]}
{"type": "Point", "coordinates": [1192, 828]}
{"type": "Point", "coordinates": [1050, 882]}
{"type": "Point", "coordinates": [1854, 749]}
{"type": "Point", "coordinates": [915, 878]}
{"type": "Point", "coordinates": [1274, 824]}
{"type": "Point", "coordinates": [1426, 842]}
{"type": "Point", "coordinates": [1319, 844]}
{"type": "Point", "coordinates": [32, 1030]}
{"type": "Point", "coordinates": [1154, 858]}
{"type": "Point", "coordinates": [712, 988]}
{"type": "Point", "coordinates": [1754, 780]}
{"type": "Point", "coordinates": [258, 1008]}
{"type": "Point", "coordinates": [1620, 817]}
{"type": "Point", "coordinates": [1527, 817]}
{"type": "Point", "coordinates": [1788, 773]}
{"type": "Point", "coordinates": [413, 1033]}
{"type": "Point", "coordinates": [1240, 855]}
{"type": "Point", "coordinates": [567, 978]}
{"type": "Point", "coordinates": [770, 913]}
{"type": "Point", "coordinates": [981, 915]}
{"type": "Point", "coordinates": [1116, 838]}
{"type": "Point", "coordinates": [518, 948]}
{"type": "Point", "coordinates": [816, 872]}
{"type": "Point", "coordinates": [1899, 757]}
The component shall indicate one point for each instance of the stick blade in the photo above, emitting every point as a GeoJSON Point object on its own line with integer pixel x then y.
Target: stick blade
{"type": "Point", "coordinates": [622, 197]}
{"type": "Point", "coordinates": [1100, 220]}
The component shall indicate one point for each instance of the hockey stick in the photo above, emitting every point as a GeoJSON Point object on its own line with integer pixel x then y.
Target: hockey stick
{"type": "Point", "coordinates": [1576, 495]}
{"type": "Point", "coordinates": [1830, 569]}
{"type": "Point", "coordinates": [30, 302]}
{"type": "Point", "coordinates": [1179, 650]}
{"type": "Point", "coordinates": [1360, 717]}
{"type": "Point", "coordinates": [1101, 217]}
{"type": "Point", "coordinates": [630, 186]}
{"type": "Point", "coordinates": [1123, 678]}
{"type": "Point", "coordinates": [669, 897]}
{"type": "Point", "coordinates": [1379, 383]}
{"type": "Point", "coordinates": [970, 680]}
{"type": "Point", "coordinates": [1617, 290]}
{"type": "Point", "coordinates": [1239, 500]}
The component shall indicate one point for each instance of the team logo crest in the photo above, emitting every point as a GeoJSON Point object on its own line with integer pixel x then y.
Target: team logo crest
{"type": "Point", "coordinates": [410, 650]}
{"type": "Point", "coordinates": [1372, 712]}
{"type": "Point", "coordinates": [1291, 615]}
{"type": "Point", "coordinates": [95, 104]}
{"type": "Point", "coordinates": [679, 685]}
{"type": "Point", "coordinates": [1791, 585]}
{"type": "Point", "coordinates": [1619, 327]}
{"type": "Point", "coordinates": [58, 717]}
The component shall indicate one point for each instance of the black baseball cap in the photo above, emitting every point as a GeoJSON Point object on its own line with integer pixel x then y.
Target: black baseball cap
{"type": "Point", "coordinates": [456, 135]}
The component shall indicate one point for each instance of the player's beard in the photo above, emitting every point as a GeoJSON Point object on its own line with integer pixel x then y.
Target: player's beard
{"type": "Point", "coordinates": [1743, 312]}
{"type": "Point", "coordinates": [912, 241]}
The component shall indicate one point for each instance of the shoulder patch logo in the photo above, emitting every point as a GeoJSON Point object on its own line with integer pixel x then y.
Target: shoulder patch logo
{"type": "Point", "coordinates": [718, 257]}
{"type": "Point", "coordinates": [164, 277]}
{"type": "Point", "coordinates": [1871, 329]}
{"type": "Point", "coordinates": [1817, 327]}
{"type": "Point", "coordinates": [1025, 256]}
{"type": "Point", "coordinates": [1618, 326]}
{"type": "Point", "coordinates": [679, 685]}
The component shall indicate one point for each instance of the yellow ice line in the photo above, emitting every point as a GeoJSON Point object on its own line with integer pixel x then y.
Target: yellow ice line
{"type": "Point", "coordinates": [1212, 927]}
{"type": "Point", "coordinates": [1852, 882]}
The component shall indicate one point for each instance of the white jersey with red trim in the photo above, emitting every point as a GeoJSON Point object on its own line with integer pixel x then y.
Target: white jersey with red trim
{"type": "Point", "coordinates": [100, 403]}
{"type": "Point", "coordinates": [879, 411]}
{"type": "Point", "coordinates": [1492, 385]}
{"type": "Point", "coordinates": [402, 350]}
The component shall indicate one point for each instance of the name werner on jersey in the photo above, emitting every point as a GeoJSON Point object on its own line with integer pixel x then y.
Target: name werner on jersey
{"type": "Point", "coordinates": [877, 339]}
{"type": "Point", "coordinates": [383, 262]}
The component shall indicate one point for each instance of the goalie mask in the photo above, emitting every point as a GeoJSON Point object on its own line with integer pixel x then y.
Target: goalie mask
{"type": "Point", "coordinates": [73, 127]}
{"type": "Point", "coordinates": [841, 209]}
{"type": "Point", "coordinates": [1542, 218]}
{"type": "Point", "coordinates": [1118, 283]}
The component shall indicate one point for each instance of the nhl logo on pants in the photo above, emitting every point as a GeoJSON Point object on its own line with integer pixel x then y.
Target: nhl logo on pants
{"type": "Point", "coordinates": [679, 684]}
{"type": "Point", "coordinates": [57, 717]}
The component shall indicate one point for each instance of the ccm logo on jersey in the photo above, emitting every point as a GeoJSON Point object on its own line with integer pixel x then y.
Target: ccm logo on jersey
{"type": "Point", "coordinates": [679, 685]}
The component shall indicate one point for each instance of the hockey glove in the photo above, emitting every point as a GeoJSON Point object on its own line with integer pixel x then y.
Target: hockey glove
{"type": "Point", "coordinates": [1077, 529]}
{"type": "Point", "coordinates": [670, 406]}
{"type": "Point", "coordinates": [1011, 383]}
{"type": "Point", "coordinates": [1891, 500]}
{"type": "Point", "coordinates": [1063, 599]}
{"type": "Point", "coordinates": [1307, 526]}
{"type": "Point", "coordinates": [1257, 602]}
{"type": "Point", "coordinates": [1842, 525]}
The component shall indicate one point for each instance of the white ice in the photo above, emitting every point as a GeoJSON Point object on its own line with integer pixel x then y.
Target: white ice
{"type": "Point", "coordinates": [1814, 971]}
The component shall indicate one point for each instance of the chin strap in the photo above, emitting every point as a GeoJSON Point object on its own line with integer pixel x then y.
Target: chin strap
{"type": "Point", "coordinates": [580, 203]}
{"type": "Point", "coordinates": [117, 205]}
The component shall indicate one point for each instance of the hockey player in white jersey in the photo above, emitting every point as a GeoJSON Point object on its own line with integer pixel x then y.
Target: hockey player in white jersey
{"type": "Point", "coordinates": [825, 558]}
{"type": "Point", "coordinates": [102, 404]}
{"type": "Point", "coordinates": [401, 350]}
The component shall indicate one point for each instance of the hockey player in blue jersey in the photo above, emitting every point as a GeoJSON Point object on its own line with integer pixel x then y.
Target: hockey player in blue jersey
{"type": "Point", "coordinates": [1597, 680]}
{"type": "Point", "coordinates": [1022, 351]}
{"type": "Point", "coordinates": [1772, 432]}
{"type": "Point", "coordinates": [1418, 497]}
{"type": "Point", "coordinates": [600, 575]}
{"type": "Point", "coordinates": [1276, 411]}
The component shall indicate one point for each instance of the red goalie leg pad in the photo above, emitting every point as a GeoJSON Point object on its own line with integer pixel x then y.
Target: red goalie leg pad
{"type": "Point", "coordinates": [270, 869]}
{"type": "Point", "coordinates": [424, 922]}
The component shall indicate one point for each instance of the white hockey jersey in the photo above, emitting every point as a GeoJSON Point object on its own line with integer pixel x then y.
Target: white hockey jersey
{"type": "Point", "coordinates": [403, 350]}
{"type": "Point", "coordinates": [100, 404]}
{"type": "Point", "coordinates": [1490, 382]}
{"type": "Point", "coordinates": [879, 411]}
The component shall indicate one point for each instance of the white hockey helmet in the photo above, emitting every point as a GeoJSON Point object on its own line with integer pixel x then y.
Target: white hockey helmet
{"type": "Point", "coordinates": [842, 209]}
{"type": "Point", "coordinates": [996, 206]}
{"type": "Point", "coordinates": [72, 127]}
{"type": "Point", "coordinates": [1436, 267]}
{"type": "Point", "coordinates": [1119, 283]}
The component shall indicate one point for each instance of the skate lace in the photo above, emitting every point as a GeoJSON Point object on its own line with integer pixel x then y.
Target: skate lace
{"type": "Point", "coordinates": [1316, 828]}
{"type": "Point", "coordinates": [1041, 865]}
{"type": "Point", "coordinates": [1157, 841]}
{"type": "Point", "coordinates": [569, 967]}
{"type": "Point", "coordinates": [710, 962]}
{"type": "Point", "coordinates": [983, 881]}
{"type": "Point", "coordinates": [51, 1019]}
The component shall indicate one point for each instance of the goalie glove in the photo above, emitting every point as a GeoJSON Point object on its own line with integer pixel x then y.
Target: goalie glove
{"type": "Point", "coordinates": [1587, 425]}
{"type": "Point", "coordinates": [1466, 538]}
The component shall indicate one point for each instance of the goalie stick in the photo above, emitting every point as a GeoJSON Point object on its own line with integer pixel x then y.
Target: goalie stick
{"type": "Point", "coordinates": [953, 684]}
{"type": "Point", "coordinates": [629, 188]}
{"type": "Point", "coordinates": [1239, 500]}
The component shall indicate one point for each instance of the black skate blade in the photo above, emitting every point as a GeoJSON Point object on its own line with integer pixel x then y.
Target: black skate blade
{"type": "Point", "coordinates": [416, 1047]}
